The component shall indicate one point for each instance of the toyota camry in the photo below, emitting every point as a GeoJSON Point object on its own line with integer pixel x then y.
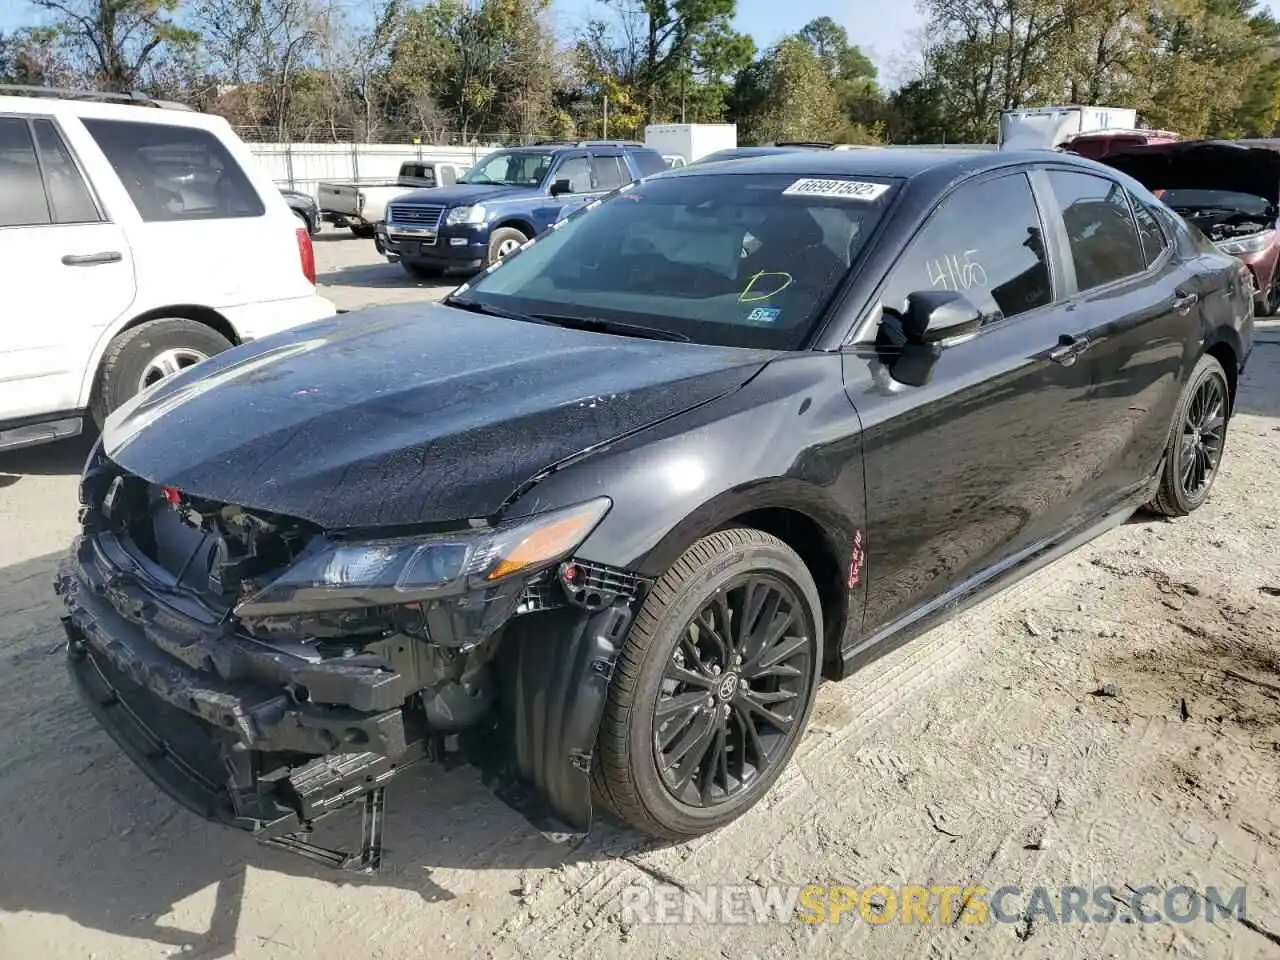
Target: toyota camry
{"type": "Point", "coordinates": [603, 520]}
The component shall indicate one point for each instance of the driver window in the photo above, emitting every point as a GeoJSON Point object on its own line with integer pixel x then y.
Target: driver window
{"type": "Point", "coordinates": [984, 241]}
{"type": "Point", "coordinates": [577, 170]}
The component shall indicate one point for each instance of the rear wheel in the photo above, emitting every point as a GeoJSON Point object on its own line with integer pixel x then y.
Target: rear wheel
{"type": "Point", "coordinates": [1196, 441]}
{"type": "Point", "coordinates": [713, 687]}
{"type": "Point", "coordinates": [145, 354]}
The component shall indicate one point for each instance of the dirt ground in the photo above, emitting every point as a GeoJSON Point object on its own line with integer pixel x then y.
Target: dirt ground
{"type": "Point", "coordinates": [1113, 720]}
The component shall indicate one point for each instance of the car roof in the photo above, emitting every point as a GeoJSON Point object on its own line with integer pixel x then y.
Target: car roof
{"type": "Point", "coordinates": [141, 112]}
{"type": "Point", "coordinates": [578, 145]}
{"type": "Point", "coordinates": [875, 162]}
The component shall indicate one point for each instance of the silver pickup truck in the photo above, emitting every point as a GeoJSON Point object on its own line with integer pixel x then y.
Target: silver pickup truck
{"type": "Point", "coordinates": [362, 205]}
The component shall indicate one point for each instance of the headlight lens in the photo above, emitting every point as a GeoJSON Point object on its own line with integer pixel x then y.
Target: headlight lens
{"type": "Point", "coordinates": [473, 214]}
{"type": "Point", "coordinates": [1251, 244]}
{"type": "Point", "coordinates": [390, 572]}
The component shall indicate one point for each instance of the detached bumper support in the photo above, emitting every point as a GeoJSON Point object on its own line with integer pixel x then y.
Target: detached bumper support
{"type": "Point", "coordinates": [368, 860]}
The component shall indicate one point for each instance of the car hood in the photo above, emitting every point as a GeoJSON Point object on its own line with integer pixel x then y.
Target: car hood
{"type": "Point", "coordinates": [464, 194]}
{"type": "Point", "coordinates": [413, 414]}
{"type": "Point", "coordinates": [1203, 165]}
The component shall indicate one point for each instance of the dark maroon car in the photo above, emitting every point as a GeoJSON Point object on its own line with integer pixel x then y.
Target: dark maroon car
{"type": "Point", "coordinates": [1229, 189]}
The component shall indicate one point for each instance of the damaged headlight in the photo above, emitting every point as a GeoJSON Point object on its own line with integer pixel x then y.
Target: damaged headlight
{"type": "Point", "coordinates": [391, 572]}
{"type": "Point", "coordinates": [1254, 243]}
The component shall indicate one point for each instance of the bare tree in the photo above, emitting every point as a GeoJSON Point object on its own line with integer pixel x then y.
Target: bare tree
{"type": "Point", "coordinates": [118, 39]}
{"type": "Point", "coordinates": [264, 42]}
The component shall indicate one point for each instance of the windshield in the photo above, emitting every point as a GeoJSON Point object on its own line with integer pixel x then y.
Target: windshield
{"type": "Point", "coordinates": [732, 259]}
{"type": "Point", "coordinates": [511, 169]}
{"type": "Point", "coordinates": [1214, 200]}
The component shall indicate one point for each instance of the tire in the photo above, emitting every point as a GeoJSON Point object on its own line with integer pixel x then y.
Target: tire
{"type": "Point", "coordinates": [1266, 304]}
{"type": "Point", "coordinates": [626, 777]}
{"type": "Point", "coordinates": [364, 231]}
{"type": "Point", "coordinates": [421, 271]}
{"type": "Point", "coordinates": [1176, 496]}
{"type": "Point", "coordinates": [142, 352]}
{"type": "Point", "coordinates": [502, 241]}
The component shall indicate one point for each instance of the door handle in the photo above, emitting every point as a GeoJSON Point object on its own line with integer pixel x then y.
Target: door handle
{"type": "Point", "coordinates": [1068, 349]}
{"type": "Point", "coordinates": [92, 259]}
{"type": "Point", "coordinates": [1184, 302]}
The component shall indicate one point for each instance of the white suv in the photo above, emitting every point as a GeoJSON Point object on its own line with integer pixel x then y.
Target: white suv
{"type": "Point", "coordinates": [135, 240]}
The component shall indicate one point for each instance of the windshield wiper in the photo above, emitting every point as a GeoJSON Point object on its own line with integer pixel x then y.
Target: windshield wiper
{"type": "Point", "coordinates": [593, 324]}
{"type": "Point", "coordinates": [598, 325]}
{"type": "Point", "coordinates": [475, 306]}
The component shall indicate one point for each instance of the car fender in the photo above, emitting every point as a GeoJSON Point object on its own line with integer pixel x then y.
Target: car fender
{"type": "Point", "coordinates": [788, 439]}
{"type": "Point", "coordinates": [135, 316]}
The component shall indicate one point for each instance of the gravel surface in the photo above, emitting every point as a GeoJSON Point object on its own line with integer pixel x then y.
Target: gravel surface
{"type": "Point", "coordinates": [1114, 719]}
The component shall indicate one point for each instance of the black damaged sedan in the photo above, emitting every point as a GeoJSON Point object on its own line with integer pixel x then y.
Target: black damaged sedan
{"type": "Point", "coordinates": [601, 521]}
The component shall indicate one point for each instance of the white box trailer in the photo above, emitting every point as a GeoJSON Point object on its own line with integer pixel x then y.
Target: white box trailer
{"type": "Point", "coordinates": [689, 141]}
{"type": "Point", "coordinates": [1044, 128]}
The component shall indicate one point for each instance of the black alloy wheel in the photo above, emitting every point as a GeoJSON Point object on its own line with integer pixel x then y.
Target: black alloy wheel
{"type": "Point", "coordinates": [1204, 431]}
{"type": "Point", "coordinates": [713, 686]}
{"type": "Point", "coordinates": [733, 690]}
{"type": "Point", "coordinates": [1197, 438]}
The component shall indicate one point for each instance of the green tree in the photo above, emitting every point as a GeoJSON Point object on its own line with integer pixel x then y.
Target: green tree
{"type": "Point", "coordinates": [793, 98]}
{"type": "Point", "coordinates": [118, 39]}
{"type": "Point", "coordinates": [488, 68]}
{"type": "Point", "coordinates": [664, 48]}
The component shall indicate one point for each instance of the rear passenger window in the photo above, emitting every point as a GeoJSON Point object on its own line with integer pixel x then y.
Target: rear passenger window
{"type": "Point", "coordinates": [68, 193]}
{"type": "Point", "coordinates": [648, 162]}
{"type": "Point", "coordinates": [985, 241]}
{"type": "Point", "coordinates": [1153, 239]}
{"type": "Point", "coordinates": [1105, 245]}
{"type": "Point", "coordinates": [176, 173]}
{"type": "Point", "coordinates": [609, 172]}
{"type": "Point", "coordinates": [22, 199]}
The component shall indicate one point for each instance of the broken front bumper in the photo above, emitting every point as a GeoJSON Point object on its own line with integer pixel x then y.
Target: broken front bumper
{"type": "Point", "coordinates": [204, 713]}
{"type": "Point", "coordinates": [215, 718]}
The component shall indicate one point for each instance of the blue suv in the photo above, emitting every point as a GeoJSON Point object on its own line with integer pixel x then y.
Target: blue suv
{"type": "Point", "coordinates": [507, 198]}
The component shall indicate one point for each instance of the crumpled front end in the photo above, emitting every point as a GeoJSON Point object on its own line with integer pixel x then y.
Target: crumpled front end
{"type": "Point", "coordinates": [265, 673]}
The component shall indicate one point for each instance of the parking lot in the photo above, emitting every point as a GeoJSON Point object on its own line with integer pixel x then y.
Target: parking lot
{"type": "Point", "coordinates": [354, 275]}
{"type": "Point", "coordinates": [1112, 720]}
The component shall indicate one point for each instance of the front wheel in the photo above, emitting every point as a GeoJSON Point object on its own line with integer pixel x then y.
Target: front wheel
{"type": "Point", "coordinates": [148, 353]}
{"type": "Point", "coordinates": [713, 687]}
{"type": "Point", "coordinates": [1196, 441]}
{"type": "Point", "coordinates": [1267, 303]}
{"type": "Point", "coordinates": [504, 242]}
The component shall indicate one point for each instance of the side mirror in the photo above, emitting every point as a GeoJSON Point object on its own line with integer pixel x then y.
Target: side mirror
{"type": "Point", "coordinates": [910, 343]}
{"type": "Point", "coordinates": [561, 187]}
{"type": "Point", "coordinates": [936, 315]}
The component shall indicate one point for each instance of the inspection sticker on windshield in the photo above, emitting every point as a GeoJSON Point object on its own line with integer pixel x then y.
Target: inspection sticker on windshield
{"type": "Point", "coordinates": [840, 189]}
{"type": "Point", "coordinates": [764, 315]}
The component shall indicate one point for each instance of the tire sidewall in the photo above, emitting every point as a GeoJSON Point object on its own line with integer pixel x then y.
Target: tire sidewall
{"type": "Point", "coordinates": [121, 384]}
{"type": "Point", "coordinates": [500, 236]}
{"type": "Point", "coordinates": [693, 593]}
{"type": "Point", "coordinates": [1208, 366]}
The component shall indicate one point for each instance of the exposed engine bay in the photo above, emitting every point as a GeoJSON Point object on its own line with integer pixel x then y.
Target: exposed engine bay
{"type": "Point", "coordinates": [1222, 224]}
